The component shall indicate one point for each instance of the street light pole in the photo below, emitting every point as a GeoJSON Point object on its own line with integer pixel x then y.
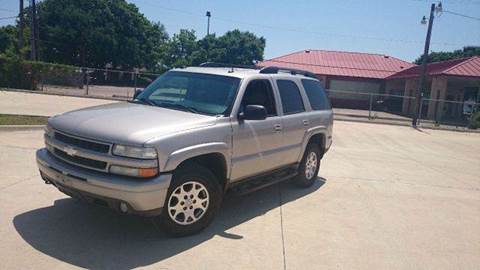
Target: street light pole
{"type": "Point", "coordinates": [20, 28]}
{"type": "Point", "coordinates": [423, 74]}
{"type": "Point", "coordinates": [209, 14]}
{"type": "Point", "coordinates": [33, 30]}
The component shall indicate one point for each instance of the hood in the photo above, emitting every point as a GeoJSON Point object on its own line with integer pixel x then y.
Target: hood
{"type": "Point", "coordinates": [127, 123]}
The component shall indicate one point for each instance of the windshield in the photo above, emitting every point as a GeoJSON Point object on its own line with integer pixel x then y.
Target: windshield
{"type": "Point", "coordinates": [193, 92]}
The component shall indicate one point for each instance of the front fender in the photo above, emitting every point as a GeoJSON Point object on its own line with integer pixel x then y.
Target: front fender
{"type": "Point", "coordinates": [180, 155]}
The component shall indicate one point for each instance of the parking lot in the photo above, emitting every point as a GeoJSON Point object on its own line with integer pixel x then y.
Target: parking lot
{"type": "Point", "coordinates": [387, 197]}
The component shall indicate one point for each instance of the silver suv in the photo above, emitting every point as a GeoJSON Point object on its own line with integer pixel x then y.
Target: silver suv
{"type": "Point", "coordinates": [191, 135]}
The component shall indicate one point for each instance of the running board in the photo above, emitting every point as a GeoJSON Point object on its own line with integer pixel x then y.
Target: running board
{"type": "Point", "coordinates": [255, 183]}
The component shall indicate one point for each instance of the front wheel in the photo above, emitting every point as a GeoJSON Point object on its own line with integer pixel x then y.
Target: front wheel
{"type": "Point", "coordinates": [192, 200]}
{"type": "Point", "coordinates": [309, 166]}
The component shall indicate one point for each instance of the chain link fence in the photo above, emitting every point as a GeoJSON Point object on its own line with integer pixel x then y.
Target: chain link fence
{"type": "Point", "coordinates": [439, 112]}
{"type": "Point", "coordinates": [92, 82]}
{"type": "Point", "coordinates": [389, 108]}
{"type": "Point", "coordinates": [348, 105]}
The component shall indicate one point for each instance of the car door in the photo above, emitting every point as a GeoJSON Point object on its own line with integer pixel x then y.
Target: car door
{"type": "Point", "coordinates": [295, 119]}
{"type": "Point", "coordinates": [256, 142]}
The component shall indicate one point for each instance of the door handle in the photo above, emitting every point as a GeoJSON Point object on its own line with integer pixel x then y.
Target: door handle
{"type": "Point", "coordinates": [277, 127]}
{"type": "Point", "coordinates": [306, 122]}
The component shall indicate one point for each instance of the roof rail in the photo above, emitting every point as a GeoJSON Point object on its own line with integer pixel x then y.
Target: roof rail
{"type": "Point", "coordinates": [293, 71]}
{"type": "Point", "coordinates": [215, 64]}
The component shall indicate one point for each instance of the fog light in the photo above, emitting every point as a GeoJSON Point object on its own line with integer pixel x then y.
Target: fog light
{"type": "Point", "coordinates": [123, 207]}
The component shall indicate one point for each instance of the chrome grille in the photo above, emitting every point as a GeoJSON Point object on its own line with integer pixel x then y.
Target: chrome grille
{"type": "Point", "coordinates": [82, 143]}
{"type": "Point", "coordinates": [100, 165]}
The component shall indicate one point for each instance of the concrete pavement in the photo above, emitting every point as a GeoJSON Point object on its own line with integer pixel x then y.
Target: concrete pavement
{"type": "Point", "coordinates": [388, 197]}
{"type": "Point", "coordinates": [43, 105]}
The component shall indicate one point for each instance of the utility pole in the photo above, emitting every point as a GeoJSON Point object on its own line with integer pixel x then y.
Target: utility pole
{"type": "Point", "coordinates": [33, 30]}
{"type": "Point", "coordinates": [423, 74]}
{"type": "Point", "coordinates": [209, 14]}
{"type": "Point", "coordinates": [20, 29]}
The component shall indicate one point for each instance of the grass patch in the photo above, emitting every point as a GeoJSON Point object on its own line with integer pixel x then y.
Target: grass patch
{"type": "Point", "coordinates": [13, 119]}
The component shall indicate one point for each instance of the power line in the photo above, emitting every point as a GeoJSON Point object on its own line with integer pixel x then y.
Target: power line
{"type": "Point", "coordinates": [8, 10]}
{"type": "Point", "coordinates": [461, 15]}
{"type": "Point", "coordinates": [7, 18]}
{"type": "Point", "coordinates": [464, 2]}
{"type": "Point", "coordinates": [297, 30]}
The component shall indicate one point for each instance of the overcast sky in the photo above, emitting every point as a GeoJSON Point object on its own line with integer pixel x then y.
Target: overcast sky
{"type": "Point", "coordinates": [373, 26]}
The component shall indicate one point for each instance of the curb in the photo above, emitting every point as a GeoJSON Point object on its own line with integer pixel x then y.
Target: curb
{"type": "Point", "coordinates": [38, 92]}
{"type": "Point", "coordinates": [21, 127]}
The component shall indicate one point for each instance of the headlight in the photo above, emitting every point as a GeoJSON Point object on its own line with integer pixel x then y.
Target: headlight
{"type": "Point", "coordinates": [135, 172]}
{"type": "Point", "coordinates": [48, 131]}
{"type": "Point", "coordinates": [134, 152]}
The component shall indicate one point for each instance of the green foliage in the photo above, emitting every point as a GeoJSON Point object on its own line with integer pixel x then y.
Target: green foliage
{"type": "Point", "coordinates": [444, 56]}
{"type": "Point", "coordinates": [475, 121]}
{"type": "Point", "coordinates": [98, 32]}
{"type": "Point", "coordinates": [180, 48]}
{"type": "Point", "coordinates": [12, 119]}
{"type": "Point", "coordinates": [7, 38]}
{"type": "Point", "coordinates": [15, 73]}
{"type": "Point", "coordinates": [234, 47]}
{"type": "Point", "coordinates": [113, 33]}
{"type": "Point", "coordinates": [241, 47]}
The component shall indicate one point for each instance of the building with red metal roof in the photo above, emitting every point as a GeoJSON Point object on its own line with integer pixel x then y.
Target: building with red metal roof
{"type": "Point", "coordinates": [357, 80]}
{"type": "Point", "coordinates": [349, 76]}
{"type": "Point", "coordinates": [449, 85]}
{"type": "Point", "coordinates": [342, 64]}
{"type": "Point", "coordinates": [464, 67]}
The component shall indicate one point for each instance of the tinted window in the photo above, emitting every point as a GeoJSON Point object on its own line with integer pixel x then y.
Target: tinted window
{"type": "Point", "coordinates": [259, 92]}
{"type": "Point", "coordinates": [204, 93]}
{"type": "Point", "coordinates": [316, 95]}
{"type": "Point", "coordinates": [291, 99]}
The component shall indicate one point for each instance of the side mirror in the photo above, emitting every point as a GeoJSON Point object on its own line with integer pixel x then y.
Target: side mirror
{"type": "Point", "coordinates": [137, 92]}
{"type": "Point", "coordinates": [253, 112]}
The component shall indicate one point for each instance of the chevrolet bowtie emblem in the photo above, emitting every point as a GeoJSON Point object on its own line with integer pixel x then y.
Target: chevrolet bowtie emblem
{"type": "Point", "coordinates": [70, 151]}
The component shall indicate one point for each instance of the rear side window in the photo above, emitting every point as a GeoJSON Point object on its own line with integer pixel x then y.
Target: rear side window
{"type": "Point", "coordinates": [290, 95]}
{"type": "Point", "coordinates": [316, 95]}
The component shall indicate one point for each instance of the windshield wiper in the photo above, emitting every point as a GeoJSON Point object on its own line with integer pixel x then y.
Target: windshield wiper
{"type": "Point", "coordinates": [179, 106]}
{"type": "Point", "coordinates": [144, 101]}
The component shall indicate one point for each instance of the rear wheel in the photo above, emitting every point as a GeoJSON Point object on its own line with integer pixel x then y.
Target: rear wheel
{"type": "Point", "coordinates": [309, 166]}
{"type": "Point", "coordinates": [192, 200]}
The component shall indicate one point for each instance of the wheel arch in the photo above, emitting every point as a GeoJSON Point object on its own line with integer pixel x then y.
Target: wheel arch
{"type": "Point", "coordinates": [318, 136]}
{"type": "Point", "coordinates": [210, 155]}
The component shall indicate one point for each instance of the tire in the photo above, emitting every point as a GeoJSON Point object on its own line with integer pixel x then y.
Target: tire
{"type": "Point", "coordinates": [186, 212]}
{"type": "Point", "coordinates": [309, 166]}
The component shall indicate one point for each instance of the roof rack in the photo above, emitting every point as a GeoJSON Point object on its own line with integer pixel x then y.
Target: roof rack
{"type": "Point", "coordinates": [293, 71]}
{"type": "Point", "coordinates": [215, 64]}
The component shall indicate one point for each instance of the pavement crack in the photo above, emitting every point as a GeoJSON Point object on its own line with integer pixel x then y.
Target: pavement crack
{"type": "Point", "coordinates": [281, 227]}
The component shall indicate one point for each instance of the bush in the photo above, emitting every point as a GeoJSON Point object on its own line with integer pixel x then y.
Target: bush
{"type": "Point", "coordinates": [15, 73]}
{"type": "Point", "coordinates": [475, 121]}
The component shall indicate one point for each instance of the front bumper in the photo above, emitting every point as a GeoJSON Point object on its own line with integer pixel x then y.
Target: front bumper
{"type": "Point", "coordinates": [145, 197]}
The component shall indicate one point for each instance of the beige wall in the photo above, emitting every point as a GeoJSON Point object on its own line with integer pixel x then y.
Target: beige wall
{"type": "Point", "coordinates": [411, 88]}
{"type": "Point", "coordinates": [437, 91]}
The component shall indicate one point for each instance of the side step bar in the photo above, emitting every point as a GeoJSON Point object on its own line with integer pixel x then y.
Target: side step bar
{"type": "Point", "coordinates": [262, 181]}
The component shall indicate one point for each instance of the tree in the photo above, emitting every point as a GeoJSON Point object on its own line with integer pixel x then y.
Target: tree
{"type": "Point", "coordinates": [444, 56]}
{"type": "Point", "coordinates": [234, 47]}
{"type": "Point", "coordinates": [241, 47]}
{"type": "Point", "coordinates": [98, 32]}
{"type": "Point", "coordinates": [180, 48]}
{"type": "Point", "coordinates": [7, 39]}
